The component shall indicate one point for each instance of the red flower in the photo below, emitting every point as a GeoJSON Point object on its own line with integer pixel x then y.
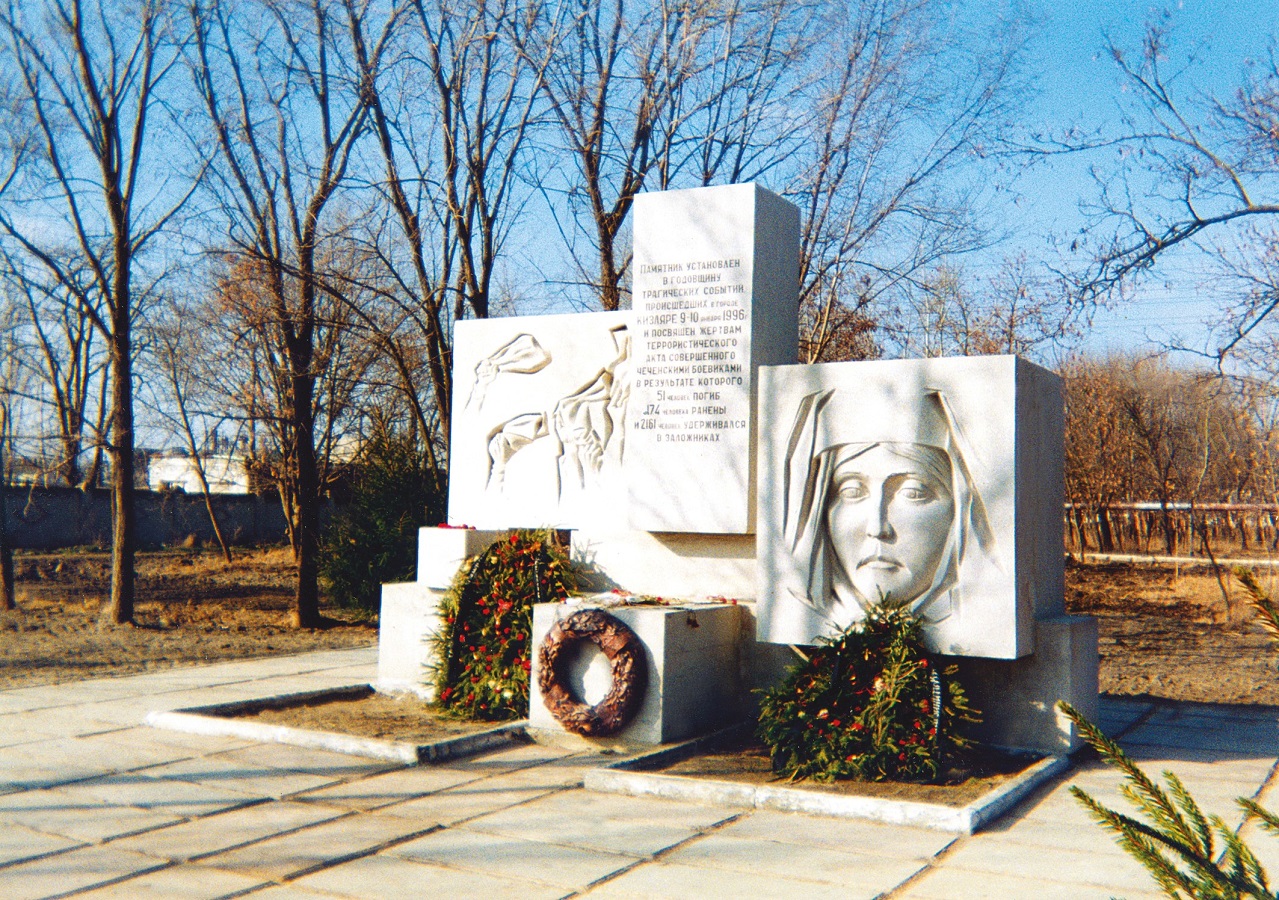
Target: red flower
{"type": "Point", "coordinates": [834, 723]}
{"type": "Point", "coordinates": [514, 540]}
{"type": "Point", "coordinates": [918, 725]}
{"type": "Point", "coordinates": [901, 757]}
{"type": "Point", "coordinates": [857, 726]}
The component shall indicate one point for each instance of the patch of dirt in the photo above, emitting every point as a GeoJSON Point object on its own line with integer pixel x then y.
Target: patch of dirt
{"type": "Point", "coordinates": [746, 761]}
{"type": "Point", "coordinates": [1169, 632]}
{"type": "Point", "coordinates": [190, 608]}
{"type": "Point", "coordinates": [373, 715]}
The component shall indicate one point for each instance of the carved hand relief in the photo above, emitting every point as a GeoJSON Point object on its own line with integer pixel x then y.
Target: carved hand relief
{"type": "Point", "coordinates": [522, 355]}
{"type": "Point", "coordinates": [543, 426]}
{"type": "Point", "coordinates": [892, 483]}
{"type": "Point", "coordinates": [585, 425]}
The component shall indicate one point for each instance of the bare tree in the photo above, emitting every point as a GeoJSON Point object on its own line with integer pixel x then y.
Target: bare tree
{"type": "Point", "coordinates": [11, 378]}
{"type": "Point", "coordinates": [1185, 171]}
{"type": "Point", "coordinates": [613, 74]}
{"type": "Point", "coordinates": [91, 76]}
{"type": "Point", "coordinates": [900, 106]}
{"type": "Point", "coordinates": [178, 346]}
{"type": "Point", "coordinates": [450, 101]}
{"type": "Point", "coordinates": [285, 113]}
{"type": "Point", "coordinates": [73, 367]}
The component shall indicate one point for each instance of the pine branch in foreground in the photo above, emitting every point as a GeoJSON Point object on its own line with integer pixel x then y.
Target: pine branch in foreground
{"type": "Point", "coordinates": [1190, 855]}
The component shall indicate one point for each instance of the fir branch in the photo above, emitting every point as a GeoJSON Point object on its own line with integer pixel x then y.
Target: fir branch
{"type": "Point", "coordinates": [1266, 609]}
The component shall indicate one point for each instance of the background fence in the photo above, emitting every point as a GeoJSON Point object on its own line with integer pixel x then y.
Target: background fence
{"type": "Point", "coordinates": [1227, 528]}
{"type": "Point", "coordinates": [53, 518]}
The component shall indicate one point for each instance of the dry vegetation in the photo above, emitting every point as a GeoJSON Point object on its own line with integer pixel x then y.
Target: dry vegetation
{"type": "Point", "coordinates": [191, 608]}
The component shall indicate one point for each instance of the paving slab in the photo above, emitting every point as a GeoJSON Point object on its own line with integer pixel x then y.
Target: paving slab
{"type": "Point", "coordinates": [254, 779]}
{"type": "Point", "coordinates": [636, 825]}
{"type": "Point", "coordinates": [319, 846]}
{"type": "Point", "coordinates": [79, 816]}
{"type": "Point", "coordinates": [167, 795]}
{"type": "Point", "coordinates": [54, 876]}
{"type": "Point", "coordinates": [92, 801]}
{"type": "Point", "coordinates": [475, 798]}
{"type": "Point", "coordinates": [18, 844]}
{"type": "Point", "coordinates": [214, 834]}
{"type": "Point", "coordinates": [570, 868]}
{"type": "Point", "coordinates": [1109, 869]}
{"type": "Point", "coordinates": [892, 841]}
{"type": "Point", "coordinates": [391, 878]}
{"type": "Point", "coordinates": [178, 883]}
{"type": "Point", "coordinates": [665, 881]}
{"type": "Point", "coordinates": [859, 872]}
{"type": "Point", "coordinates": [385, 788]}
{"type": "Point", "coordinates": [945, 883]}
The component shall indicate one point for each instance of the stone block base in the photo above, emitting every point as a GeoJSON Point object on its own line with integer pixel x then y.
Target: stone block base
{"type": "Point", "coordinates": [669, 564]}
{"type": "Point", "coordinates": [1018, 698]}
{"type": "Point", "coordinates": [409, 618]}
{"type": "Point", "coordinates": [440, 551]}
{"type": "Point", "coordinates": [695, 678]}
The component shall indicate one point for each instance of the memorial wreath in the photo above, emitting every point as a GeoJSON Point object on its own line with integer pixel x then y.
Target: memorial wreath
{"type": "Point", "coordinates": [869, 704]}
{"type": "Point", "coordinates": [625, 654]}
{"type": "Point", "coordinates": [484, 645]}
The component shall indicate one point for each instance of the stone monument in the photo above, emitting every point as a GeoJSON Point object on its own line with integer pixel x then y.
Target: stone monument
{"type": "Point", "coordinates": [691, 458]}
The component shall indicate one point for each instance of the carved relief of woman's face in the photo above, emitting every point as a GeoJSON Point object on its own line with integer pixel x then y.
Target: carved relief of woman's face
{"type": "Point", "coordinates": [889, 515]}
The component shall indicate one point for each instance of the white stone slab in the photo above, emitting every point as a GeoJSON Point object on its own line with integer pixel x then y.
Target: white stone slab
{"type": "Point", "coordinates": [716, 293]}
{"type": "Point", "coordinates": [539, 420]}
{"type": "Point", "coordinates": [670, 564]}
{"type": "Point", "coordinates": [694, 670]}
{"type": "Point", "coordinates": [408, 620]}
{"type": "Point", "coordinates": [441, 551]}
{"type": "Point", "coordinates": [934, 483]}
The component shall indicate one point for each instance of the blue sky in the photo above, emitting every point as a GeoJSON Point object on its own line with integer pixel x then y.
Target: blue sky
{"type": "Point", "coordinates": [1079, 83]}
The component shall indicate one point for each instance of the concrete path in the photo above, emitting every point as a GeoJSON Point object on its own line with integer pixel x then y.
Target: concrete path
{"type": "Point", "coordinates": [95, 804]}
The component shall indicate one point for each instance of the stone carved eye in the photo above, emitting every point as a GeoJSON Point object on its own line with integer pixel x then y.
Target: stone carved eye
{"type": "Point", "coordinates": [916, 491]}
{"type": "Point", "coordinates": [853, 488]}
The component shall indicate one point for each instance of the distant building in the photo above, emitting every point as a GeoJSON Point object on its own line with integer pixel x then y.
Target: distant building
{"type": "Point", "coordinates": [225, 472]}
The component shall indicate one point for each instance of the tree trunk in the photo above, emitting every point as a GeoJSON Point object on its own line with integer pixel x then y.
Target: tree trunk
{"type": "Point", "coordinates": [7, 598]}
{"type": "Point", "coordinates": [123, 518]}
{"type": "Point", "coordinates": [306, 610]}
{"type": "Point", "coordinates": [1105, 535]}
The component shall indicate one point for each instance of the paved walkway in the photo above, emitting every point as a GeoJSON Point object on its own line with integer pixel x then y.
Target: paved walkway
{"type": "Point", "coordinates": [95, 804]}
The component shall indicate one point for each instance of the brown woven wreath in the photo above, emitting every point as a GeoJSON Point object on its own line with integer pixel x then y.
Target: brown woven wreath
{"type": "Point", "coordinates": [630, 674]}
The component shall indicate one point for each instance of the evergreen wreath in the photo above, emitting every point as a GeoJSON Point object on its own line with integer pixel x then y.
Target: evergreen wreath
{"type": "Point", "coordinates": [482, 652]}
{"type": "Point", "coordinates": [868, 704]}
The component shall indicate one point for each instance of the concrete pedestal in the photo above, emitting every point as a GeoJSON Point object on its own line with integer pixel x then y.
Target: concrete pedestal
{"type": "Point", "coordinates": [695, 677]}
{"type": "Point", "coordinates": [408, 620]}
{"type": "Point", "coordinates": [440, 551]}
{"type": "Point", "coordinates": [410, 617]}
{"type": "Point", "coordinates": [1018, 698]}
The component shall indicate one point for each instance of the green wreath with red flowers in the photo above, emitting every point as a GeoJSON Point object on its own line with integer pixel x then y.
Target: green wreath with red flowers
{"type": "Point", "coordinates": [482, 650]}
{"type": "Point", "coordinates": [870, 704]}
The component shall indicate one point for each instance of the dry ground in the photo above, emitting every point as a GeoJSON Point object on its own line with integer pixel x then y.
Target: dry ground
{"type": "Point", "coordinates": [190, 608]}
{"type": "Point", "coordinates": [1165, 632]}
{"type": "Point", "coordinates": [1170, 632]}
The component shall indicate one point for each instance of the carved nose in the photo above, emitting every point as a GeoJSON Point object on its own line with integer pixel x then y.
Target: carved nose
{"type": "Point", "coordinates": [878, 526]}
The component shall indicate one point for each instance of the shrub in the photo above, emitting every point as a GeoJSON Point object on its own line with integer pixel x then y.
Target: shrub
{"type": "Point", "coordinates": [373, 537]}
{"type": "Point", "coordinates": [482, 651]}
{"type": "Point", "coordinates": [868, 704]}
